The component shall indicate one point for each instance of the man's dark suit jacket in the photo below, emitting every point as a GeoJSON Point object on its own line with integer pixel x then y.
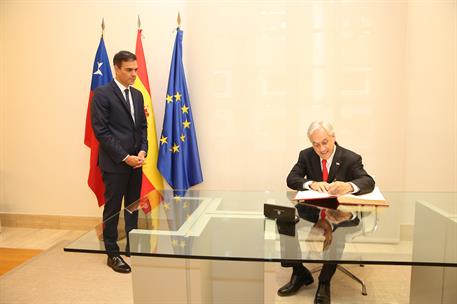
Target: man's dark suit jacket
{"type": "Point", "coordinates": [114, 127]}
{"type": "Point", "coordinates": [346, 167]}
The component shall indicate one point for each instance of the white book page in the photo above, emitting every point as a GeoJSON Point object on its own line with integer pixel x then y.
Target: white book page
{"type": "Point", "coordinates": [311, 194]}
{"type": "Point", "coordinates": [375, 195]}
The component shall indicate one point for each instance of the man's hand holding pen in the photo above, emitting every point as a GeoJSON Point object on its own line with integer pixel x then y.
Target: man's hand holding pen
{"type": "Point", "coordinates": [319, 186]}
{"type": "Point", "coordinates": [339, 188]}
{"type": "Point", "coordinates": [334, 188]}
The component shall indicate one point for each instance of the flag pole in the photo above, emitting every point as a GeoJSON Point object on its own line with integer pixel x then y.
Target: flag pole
{"type": "Point", "coordinates": [103, 26]}
{"type": "Point", "coordinates": [179, 20]}
{"type": "Point", "coordinates": [139, 22]}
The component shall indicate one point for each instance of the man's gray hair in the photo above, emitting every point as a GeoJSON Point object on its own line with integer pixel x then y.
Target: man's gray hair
{"type": "Point", "coordinates": [326, 126]}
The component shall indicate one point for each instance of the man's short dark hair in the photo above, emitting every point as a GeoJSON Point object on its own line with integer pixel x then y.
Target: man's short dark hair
{"type": "Point", "coordinates": [123, 56]}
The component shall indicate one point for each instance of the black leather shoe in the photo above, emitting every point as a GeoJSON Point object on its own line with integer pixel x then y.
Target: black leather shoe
{"type": "Point", "coordinates": [322, 294]}
{"type": "Point", "coordinates": [118, 264]}
{"type": "Point", "coordinates": [297, 280]}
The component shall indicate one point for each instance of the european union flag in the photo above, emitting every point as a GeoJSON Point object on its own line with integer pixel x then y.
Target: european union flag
{"type": "Point", "coordinates": [178, 162]}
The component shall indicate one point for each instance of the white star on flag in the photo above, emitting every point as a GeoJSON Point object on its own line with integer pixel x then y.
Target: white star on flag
{"type": "Point", "coordinates": [98, 72]}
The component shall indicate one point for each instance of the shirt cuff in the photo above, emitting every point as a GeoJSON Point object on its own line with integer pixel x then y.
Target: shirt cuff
{"type": "Point", "coordinates": [125, 158]}
{"type": "Point", "coordinates": [306, 185]}
{"type": "Point", "coordinates": [356, 189]}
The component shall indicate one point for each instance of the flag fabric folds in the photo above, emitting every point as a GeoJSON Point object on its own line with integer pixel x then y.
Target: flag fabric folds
{"type": "Point", "coordinates": [179, 161]}
{"type": "Point", "coordinates": [101, 75]}
{"type": "Point", "coordinates": [151, 180]}
{"type": "Point", "coordinates": [151, 176]}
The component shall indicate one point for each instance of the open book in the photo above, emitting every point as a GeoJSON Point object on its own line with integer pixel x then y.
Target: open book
{"type": "Point", "coordinates": [374, 198]}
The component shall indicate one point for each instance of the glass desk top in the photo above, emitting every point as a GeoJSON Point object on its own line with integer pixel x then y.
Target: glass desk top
{"type": "Point", "coordinates": [230, 225]}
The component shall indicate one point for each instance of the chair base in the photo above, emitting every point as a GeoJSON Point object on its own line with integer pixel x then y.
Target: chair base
{"type": "Point", "coordinates": [349, 274]}
{"type": "Point", "coordinates": [354, 277]}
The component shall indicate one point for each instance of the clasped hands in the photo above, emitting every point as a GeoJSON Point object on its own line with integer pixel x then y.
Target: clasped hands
{"type": "Point", "coordinates": [335, 188]}
{"type": "Point", "coordinates": [136, 161]}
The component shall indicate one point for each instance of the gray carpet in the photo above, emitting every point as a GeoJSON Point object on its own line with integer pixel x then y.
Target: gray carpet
{"type": "Point", "coordinates": [56, 276]}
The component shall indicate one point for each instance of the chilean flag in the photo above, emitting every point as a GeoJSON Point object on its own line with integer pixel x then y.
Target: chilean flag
{"type": "Point", "coordinates": [101, 75]}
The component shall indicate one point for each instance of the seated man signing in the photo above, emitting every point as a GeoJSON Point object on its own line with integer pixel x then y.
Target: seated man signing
{"type": "Point", "coordinates": [324, 167]}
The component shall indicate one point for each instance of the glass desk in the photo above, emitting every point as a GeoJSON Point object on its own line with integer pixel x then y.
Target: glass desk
{"type": "Point", "coordinates": [215, 246]}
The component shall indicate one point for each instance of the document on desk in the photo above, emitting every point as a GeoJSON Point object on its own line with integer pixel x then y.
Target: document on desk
{"type": "Point", "coordinates": [374, 198]}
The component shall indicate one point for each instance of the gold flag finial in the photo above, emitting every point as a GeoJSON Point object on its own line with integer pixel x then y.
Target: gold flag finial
{"type": "Point", "coordinates": [139, 22]}
{"type": "Point", "coordinates": [179, 20]}
{"type": "Point", "coordinates": [103, 25]}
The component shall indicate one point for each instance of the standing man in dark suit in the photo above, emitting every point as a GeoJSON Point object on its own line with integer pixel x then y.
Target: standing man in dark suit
{"type": "Point", "coordinates": [324, 167]}
{"type": "Point", "coordinates": [119, 123]}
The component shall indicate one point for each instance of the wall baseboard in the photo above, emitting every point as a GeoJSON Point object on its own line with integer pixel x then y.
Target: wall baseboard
{"type": "Point", "coordinates": [48, 221]}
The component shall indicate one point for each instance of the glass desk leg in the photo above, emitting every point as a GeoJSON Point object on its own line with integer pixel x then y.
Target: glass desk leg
{"type": "Point", "coordinates": [174, 280]}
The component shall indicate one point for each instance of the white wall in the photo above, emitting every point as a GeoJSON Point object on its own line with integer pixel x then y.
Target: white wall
{"type": "Point", "coordinates": [431, 70]}
{"type": "Point", "coordinates": [2, 103]}
{"type": "Point", "coordinates": [258, 73]}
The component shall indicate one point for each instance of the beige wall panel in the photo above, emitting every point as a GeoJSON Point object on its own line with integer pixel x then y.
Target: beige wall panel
{"type": "Point", "coordinates": [431, 140]}
{"type": "Point", "coordinates": [258, 73]}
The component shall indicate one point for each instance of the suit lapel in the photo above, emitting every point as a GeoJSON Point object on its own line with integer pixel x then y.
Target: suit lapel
{"type": "Point", "coordinates": [336, 164]}
{"type": "Point", "coordinates": [120, 96]}
{"type": "Point", "coordinates": [316, 168]}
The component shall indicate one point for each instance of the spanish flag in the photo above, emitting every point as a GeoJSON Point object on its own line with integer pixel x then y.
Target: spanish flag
{"type": "Point", "coordinates": [152, 180]}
